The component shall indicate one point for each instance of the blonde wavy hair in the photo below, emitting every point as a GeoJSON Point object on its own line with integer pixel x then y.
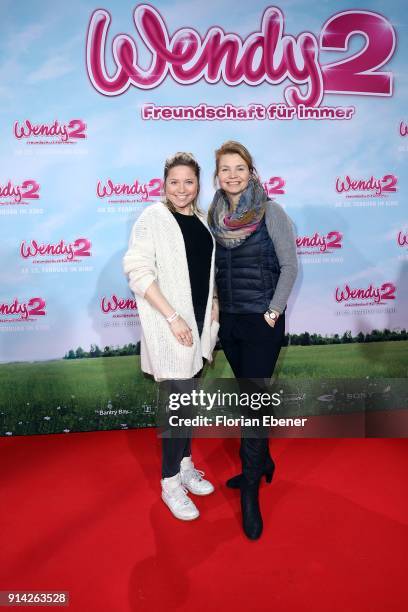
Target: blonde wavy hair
{"type": "Point", "coordinates": [181, 158]}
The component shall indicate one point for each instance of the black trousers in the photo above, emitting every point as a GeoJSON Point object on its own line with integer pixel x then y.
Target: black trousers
{"type": "Point", "coordinates": [174, 449]}
{"type": "Point", "coordinates": [252, 348]}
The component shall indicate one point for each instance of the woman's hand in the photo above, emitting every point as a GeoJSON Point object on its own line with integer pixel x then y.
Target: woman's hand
{"type": "Point", "coordinates": [271, 322]}
{"type": "Point", "coordinates": [182, 331]}
{"type": "Point", "coordinates": [215, 310]}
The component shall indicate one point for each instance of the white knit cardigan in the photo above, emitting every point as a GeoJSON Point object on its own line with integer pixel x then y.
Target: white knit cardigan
{"type": "Point", "coordinates": [157, 253]}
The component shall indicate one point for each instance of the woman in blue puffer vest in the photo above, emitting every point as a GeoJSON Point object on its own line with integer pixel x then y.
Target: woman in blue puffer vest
{"type": "Point", "coordinates": [256, 267]}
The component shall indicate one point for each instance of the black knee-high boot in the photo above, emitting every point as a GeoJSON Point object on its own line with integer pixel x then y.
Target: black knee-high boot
{"type": "Point", "coordinates": [253, 454]}
{"type": "Point", "coordinates": [250, 386]}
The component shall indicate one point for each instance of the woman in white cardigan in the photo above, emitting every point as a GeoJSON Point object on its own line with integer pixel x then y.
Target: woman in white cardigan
{"type": "Point", "coordinates": [170, 265]}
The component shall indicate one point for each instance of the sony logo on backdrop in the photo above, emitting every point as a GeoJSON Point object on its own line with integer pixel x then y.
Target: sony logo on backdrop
{"type": "Point", "coordinates": [266, 55]}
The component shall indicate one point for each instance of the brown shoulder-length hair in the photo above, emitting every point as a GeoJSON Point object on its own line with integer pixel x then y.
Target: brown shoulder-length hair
{"type": "Point", "coordinates": [181, 158]}
{"type": "Point", "coordinates": [232, 146]}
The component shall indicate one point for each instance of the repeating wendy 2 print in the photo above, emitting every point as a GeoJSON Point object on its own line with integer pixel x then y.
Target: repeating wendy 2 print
{"type": "Point", "coordinates": [94, 98]}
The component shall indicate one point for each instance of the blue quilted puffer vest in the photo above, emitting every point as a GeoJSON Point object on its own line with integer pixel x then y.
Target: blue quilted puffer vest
{"type": "Point", "coordinates": [247, 275]}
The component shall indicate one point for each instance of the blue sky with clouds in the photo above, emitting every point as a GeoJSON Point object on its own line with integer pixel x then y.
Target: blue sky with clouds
{"type": "Point", "coordinates": [43, 77]}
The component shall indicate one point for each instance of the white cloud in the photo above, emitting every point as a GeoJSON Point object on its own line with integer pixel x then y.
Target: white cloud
{"type": "Point", "coordinates": [383, 272]}
{"type": "Point", "coordinates": [52, 68]}
{"type": "Point", "coordinates": [20, 41]}
{"type": "Point", "coordinates": [6, 95]}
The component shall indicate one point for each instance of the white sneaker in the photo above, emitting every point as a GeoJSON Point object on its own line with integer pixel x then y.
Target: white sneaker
{"type": "Point", "coordinates": [193, 479]}
{"type": "Point", "coordinates": [175, 497]}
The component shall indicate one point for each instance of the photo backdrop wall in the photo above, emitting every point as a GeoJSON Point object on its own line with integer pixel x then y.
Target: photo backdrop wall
{"type": "Point", "coordinates": [94, 97]}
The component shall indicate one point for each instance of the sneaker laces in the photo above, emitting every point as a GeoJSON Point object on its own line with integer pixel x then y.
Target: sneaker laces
{"type": "Point", "coordinates": [180, 495]}
{"type": "Point", "coordinates": [193, 474]}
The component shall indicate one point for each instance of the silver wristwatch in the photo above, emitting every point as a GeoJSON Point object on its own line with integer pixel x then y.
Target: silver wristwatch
{"type": "Point", "coordinates": [271, 314]}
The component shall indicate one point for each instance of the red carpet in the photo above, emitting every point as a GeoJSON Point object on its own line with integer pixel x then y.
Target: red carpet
{"type": "Point", "coordinates": [82, 513]}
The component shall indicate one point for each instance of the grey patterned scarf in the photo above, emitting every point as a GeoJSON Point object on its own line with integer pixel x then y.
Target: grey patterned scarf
{"type": "Point", "coordinates": [230, 229]}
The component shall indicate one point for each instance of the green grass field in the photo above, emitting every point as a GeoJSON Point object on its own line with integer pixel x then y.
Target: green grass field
{"type": "Point", "coordinates": [48, 397]}
{"type": "Point", "coordinates": [377, 360]}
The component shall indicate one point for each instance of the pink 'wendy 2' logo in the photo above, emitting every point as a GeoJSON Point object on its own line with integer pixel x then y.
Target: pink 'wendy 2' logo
{"type": "Point", "coordinates": [23, 311]}
{"type": "Point", "coordinates": [373, 295]}
{"type": "Point", "coordinates": [63, 132]}
{"type": "Point", "coordinates": [266, 55]}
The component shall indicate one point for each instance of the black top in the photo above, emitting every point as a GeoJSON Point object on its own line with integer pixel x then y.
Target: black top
{"type": "Point", "coordinates": [199, 246]}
